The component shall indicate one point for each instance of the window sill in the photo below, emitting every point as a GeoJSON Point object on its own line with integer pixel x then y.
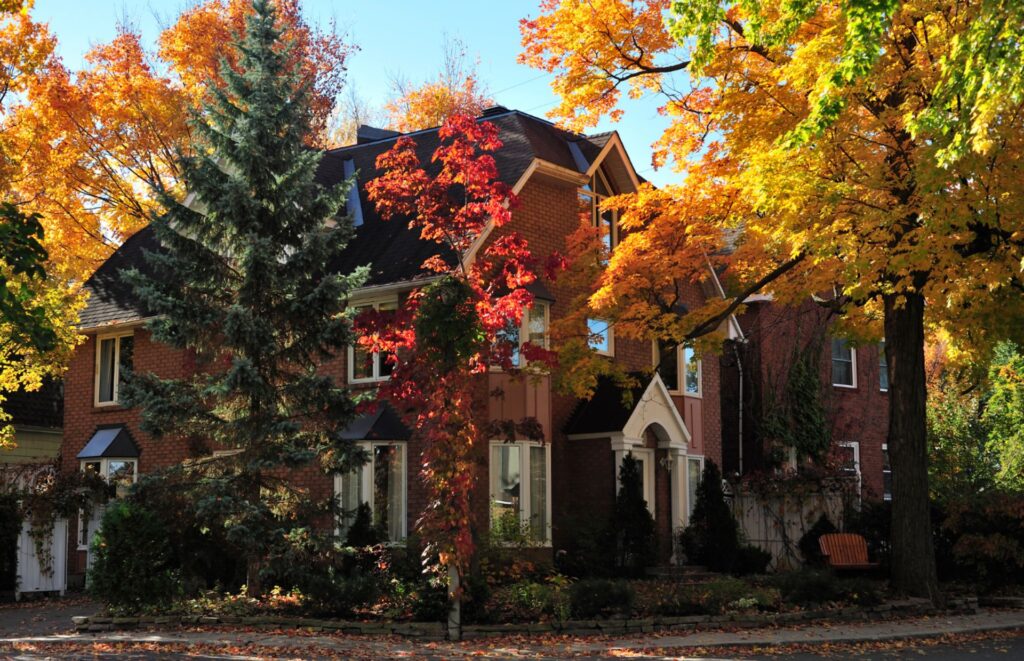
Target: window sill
{"type": "Point", "coordinates": [108, 406]}
{"type": "Point", "coordinates": [367, 382]}
{"type": "Point", "coordinates": [844, 386]}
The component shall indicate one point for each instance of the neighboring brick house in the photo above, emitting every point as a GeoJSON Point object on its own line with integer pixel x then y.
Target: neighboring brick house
{"type": "Point", "coordinates": [557, 175]}
{"type": "Point", "coordinates": [37, 418]}
{"type": "Point", "coordinates": [854, 383]}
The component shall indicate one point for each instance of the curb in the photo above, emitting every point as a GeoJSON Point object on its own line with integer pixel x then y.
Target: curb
{"type": "Point", "coordinates": [433, 631]}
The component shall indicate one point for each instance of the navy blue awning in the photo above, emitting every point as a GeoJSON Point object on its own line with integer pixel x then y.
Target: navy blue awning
{"type": "Point", "coordinates": [110, 442]}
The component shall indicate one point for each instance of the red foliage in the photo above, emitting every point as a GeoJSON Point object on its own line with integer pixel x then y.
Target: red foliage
{"type": "Point", "coordinates": [456, 207]}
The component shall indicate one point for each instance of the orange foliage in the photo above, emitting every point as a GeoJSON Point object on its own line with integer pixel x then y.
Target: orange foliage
{"type": "Point", "coordinates": [95, 146]}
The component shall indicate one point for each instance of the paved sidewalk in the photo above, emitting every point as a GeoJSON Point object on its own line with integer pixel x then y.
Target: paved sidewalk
{"type": "Point", "coordinates": [552, 646]}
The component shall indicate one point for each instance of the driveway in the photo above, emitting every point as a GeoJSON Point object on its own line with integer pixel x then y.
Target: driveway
{"type": "Point", "coordinates": [40, 617]}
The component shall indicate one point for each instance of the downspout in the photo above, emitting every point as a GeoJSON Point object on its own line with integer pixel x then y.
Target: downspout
{"type": "Point", "coordinates": [739, 368]}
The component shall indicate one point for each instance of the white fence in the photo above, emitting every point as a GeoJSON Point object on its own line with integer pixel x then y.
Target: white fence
{"type": "Point", "coordinates": [31, 575]}
{"type": "Point", "coordinates": [776, 522]}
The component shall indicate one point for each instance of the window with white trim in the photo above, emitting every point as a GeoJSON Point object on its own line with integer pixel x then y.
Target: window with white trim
{"type": "Point", "coordinates": [533, 328]}
{"type": "Point", "coordinates": [520, 488]}
{"type": "Point", "coordinates": [886, 473]}
{"type": "Point", "coordinates": [691, 372]}
{"type": "Point", "coordinates": [844, 364]}
{"type": "Point", "coordinates": [380, 483]}
{"type": "Point", "coordinates": [121, 473]}
{"type": "Point", "coordinates": [370, 366]}
{"type": "Point", "coordinates": [113, 363]}
{"type": "Point", "coordinates": [849, 460]}
{"type": "Point", "coordinates": [600, 336]}
{"type": "Point", "coordinates": [607, 221]}
{"type": "Point", "coordinates": [883, 368]}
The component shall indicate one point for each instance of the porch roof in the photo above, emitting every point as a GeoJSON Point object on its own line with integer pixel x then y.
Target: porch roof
{"type": "Point", "coordinates": [113, 441]}
{"type": "Point", "coordinates": [383, 424]}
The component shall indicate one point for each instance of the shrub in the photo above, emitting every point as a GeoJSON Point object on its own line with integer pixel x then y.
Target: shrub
{"type": "Point", "coordinates": [133, 568]}
{"type": "Point", "coordinates": [809, 545]}
{"type": "Point", "coordinates": [362, 532]}
{"type": "Point", "coordinates": [586, 554]}
{"type": "Point", "coordinates": [987, 538]}
{"type": "Point", "coordinates": [751, 560]}
{"type": "Point", "coordinates": [712, 538]}
{"type": "Point", "coordinates": [632, 526]}
{"type": "Point", "coordinates": [600, 596]}
{"type": "Point", "coordinates": [718, 596]}
{"type": "Point", "coordinates": [811, 587]}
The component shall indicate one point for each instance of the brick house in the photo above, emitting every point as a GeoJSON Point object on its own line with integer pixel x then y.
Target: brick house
{"type": "Point", "coordinates": [854, 385]}
{"type": "Point", "coordinates": [675, 424]}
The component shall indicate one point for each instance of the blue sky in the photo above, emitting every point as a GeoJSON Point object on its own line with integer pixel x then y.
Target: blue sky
{"type": "Point", "coordinates": [394, 36]}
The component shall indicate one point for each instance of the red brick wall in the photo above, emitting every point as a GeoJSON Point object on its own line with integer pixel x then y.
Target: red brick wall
{"type": "Point", "coordinates": [858, 414]}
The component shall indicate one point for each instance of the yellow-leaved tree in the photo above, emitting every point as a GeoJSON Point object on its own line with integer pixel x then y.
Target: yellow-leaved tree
{"type": "Point", "coordinates": [863, 154]}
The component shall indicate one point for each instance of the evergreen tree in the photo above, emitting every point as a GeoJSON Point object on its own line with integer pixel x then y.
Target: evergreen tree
{"type": "Point", "coordinates": [632, 524]}
{"type": "Point", "coordinates": [712, 538]}
{"type": "Point", "coordinates": [245, 281]}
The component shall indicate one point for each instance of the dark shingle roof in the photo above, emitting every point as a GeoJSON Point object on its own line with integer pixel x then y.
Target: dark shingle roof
{"type": "Point", "coordinates": [606, 410]}
{"type": "Point", "coordinates": [40, 408]}
{"type": "Point", "coordinates": [393, 251]}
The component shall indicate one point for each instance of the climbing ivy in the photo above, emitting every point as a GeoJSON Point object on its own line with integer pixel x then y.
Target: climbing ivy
{"type": "Point", "coordinates": [795, 415]}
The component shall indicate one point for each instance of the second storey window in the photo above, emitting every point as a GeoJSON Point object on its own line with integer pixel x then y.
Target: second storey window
{"type": "Point", "coordinates": [532, 329]}
{"type": "Point", "coordinates": [691, 372]}
{"type": "Point", "coordinates": [844, 364]}
{"type": "Point", "coordinates": [368, 366]}
{"type": "Point", "coordinates": [113, 363]}
{"type": "Point", "coordinates": [883, 368]}
{"type": "Point", "coordinates": [600, 338]}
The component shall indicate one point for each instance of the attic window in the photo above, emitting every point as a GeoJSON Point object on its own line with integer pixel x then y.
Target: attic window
{"type": "Point", "coordinates": [590, 198]}
{"type": "Point", "coordinates": [353, 207]}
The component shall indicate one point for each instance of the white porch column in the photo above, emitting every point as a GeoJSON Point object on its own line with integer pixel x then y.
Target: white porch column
{"type": "Point", "coordinates": [677, 491]}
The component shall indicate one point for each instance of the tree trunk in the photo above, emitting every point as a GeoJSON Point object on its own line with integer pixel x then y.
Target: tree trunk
{"type": "Point", "coordinates": [913, 553]}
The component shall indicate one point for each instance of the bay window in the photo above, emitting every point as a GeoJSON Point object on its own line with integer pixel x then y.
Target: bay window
{"type": "Point", "coordinates": [520, 489]}
{"type": "Point", "coordinates": [533, 329]}
{"type": "Point", "coordinates": [380, 483]}
{"type": "Point", "coordinates": [600, 337]}
{"type": "Point", "coordinates": [691, 372]}
{"type": "Point", "coordinates": [120, 473]}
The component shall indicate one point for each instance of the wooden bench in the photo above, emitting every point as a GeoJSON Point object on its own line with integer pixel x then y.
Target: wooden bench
{"type": "Point", "coordinates": [845, 550]}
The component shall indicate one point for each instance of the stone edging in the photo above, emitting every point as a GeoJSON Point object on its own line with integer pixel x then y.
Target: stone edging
{"type": "Point", "coordinates": [621, 625]}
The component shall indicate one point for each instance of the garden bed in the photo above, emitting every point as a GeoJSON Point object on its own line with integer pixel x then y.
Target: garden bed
{"type": "Point", "coordinates": [612, 625]}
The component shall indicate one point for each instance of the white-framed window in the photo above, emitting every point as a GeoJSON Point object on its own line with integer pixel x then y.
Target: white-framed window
{"type": "Point", "coordinates": [533, 328]}
{"type": "Point", "coordinates": [692, 376]}
{"type": "Point", "coordinates": [844, 364]}
{"type": "Point", "coordinates": [380, 483]}
{"type": "Point", "coordinates": [694, 473]}
{"type": "Point", "coordinates": [666, 362]}
{"type": "Point", "coordinates": [120, 472]}
{"type": "Point", "coordinates": [520, 488]}
{"type": "Point", "coordinates": [590, 198]}
{"type": "Point", "coordinates": [370, 366]}
{"type": "Point", "coordinates": [886, 473]}
{"type": "Point", "coordinates": [601, 337]}
{"type": "Point", "coordinates": [114, 353]}
{"type": "Point", "coordinates": [849, 460]}
{"type": "Point", "coordinates": [883, 368]}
